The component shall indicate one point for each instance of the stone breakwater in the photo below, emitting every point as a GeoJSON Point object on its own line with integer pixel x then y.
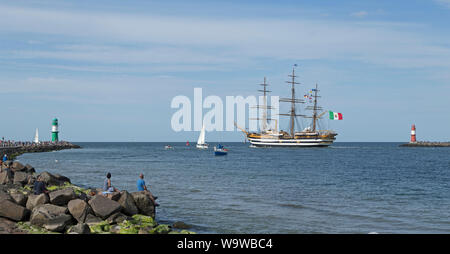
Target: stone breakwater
{"type": "Point", "coordinates": [426, 144]}
{"type": "Point", "coordinates": [70, 209]}
{"type": "Point", "coordinates": [15, 151]}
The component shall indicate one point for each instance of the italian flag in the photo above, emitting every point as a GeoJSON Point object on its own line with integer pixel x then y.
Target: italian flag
{"type": "Point", "coordinates": [335, 115]}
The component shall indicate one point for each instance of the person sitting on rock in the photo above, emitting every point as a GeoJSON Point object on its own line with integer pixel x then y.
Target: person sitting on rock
{"type": "Point", "coordinates": [39, 186]}
{"type": "Point", "coordinates": [107, 187]}
{"type": "Point", "coordinates": [5, 157]}
{"type": "Point", "coordinates": [142, 187]}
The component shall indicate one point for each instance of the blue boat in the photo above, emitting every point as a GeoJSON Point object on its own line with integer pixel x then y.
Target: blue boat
{"type": "Point", "coordinates": [220, 150]}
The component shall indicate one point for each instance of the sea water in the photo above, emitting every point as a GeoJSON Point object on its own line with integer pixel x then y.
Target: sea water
{"type": "Point", "coordinates": [344, 188]}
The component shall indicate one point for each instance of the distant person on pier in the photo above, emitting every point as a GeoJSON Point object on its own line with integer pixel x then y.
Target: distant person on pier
{"type": "Point", "coordinates": [107, 186]}
{"type": "Point", "coordinates": [39, 186]}
{"type": "Point", "coordinates": [142, 187]}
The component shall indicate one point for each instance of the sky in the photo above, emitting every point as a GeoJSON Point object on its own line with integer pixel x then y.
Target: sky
{"type": "Point", "coordinates": [108, 70]}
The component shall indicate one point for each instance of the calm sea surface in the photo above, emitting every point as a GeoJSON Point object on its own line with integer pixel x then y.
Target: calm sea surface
{"type": "Point", "coordinates": [346, 188]}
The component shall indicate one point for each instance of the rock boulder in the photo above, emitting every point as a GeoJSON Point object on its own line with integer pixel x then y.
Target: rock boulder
{"type": "Point", "coordinates": [19, 198]}
{"type": "Point", "coordinates": [62, 178]}
{"type": "Point", "coordinates": [79, 209]}
{"type": "Point", "coordinates": [30, 169]}
{"type": "Point", "coordinates": [4, 196]}
{"type": "Point", "coordinates": [92, 219]}
{"type": "Point", "coordinates": [59, 223]}
{"type": "Point", "coordinates": [6, 176]}
{"type": "Point", "coordinates": [18, 167]}
{"type": "Point", "coordinates": [35, 200]}
{"type": "Point", "coordinates": [43, 214]}
{"type": "Point", "coordinates": [144, 203]}
{"type": "Point", "coordinates": [51, 179]}
{"type": "Point", "coordinates": [13, 211]}
{"type": "Point", "coordinates": [62, 197]}
{"type": "Point", "coordinates": [80, 228]}
{"type": "Point", "coordinates": [104, 207]}
{"type": "Point", "coordinates": [21, 178]}
{"type": "Point", "coordinates": [127, 202]}
{"type": "Point", "coordinates": [117, 218]}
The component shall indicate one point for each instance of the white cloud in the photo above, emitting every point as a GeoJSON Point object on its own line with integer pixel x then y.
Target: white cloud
{"type": "Point", "coordinates": [360, 14]}
{"type": "Point", "coordinates": [444, 3]}
{"type": "Point", "coordinates": [115, 38]}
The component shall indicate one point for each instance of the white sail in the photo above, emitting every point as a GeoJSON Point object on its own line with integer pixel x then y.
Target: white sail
{"type": "Point", "coordinates": [201, 138]}
{"type": "Point", "coordinates": [36, 136]}
{"type": "Point", "coordinates": [201, 143]}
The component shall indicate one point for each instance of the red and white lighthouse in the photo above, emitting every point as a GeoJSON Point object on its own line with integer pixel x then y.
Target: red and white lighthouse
{"type": "Point", "coordinates": [413, 134]}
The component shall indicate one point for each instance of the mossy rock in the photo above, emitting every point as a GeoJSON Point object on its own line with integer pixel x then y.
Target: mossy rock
{"type": "Point", "coordinates": [138, 223]}
{"type": "Point", "coordinates": [32, 229]}
{"type": "Point", "coordinates": [129, 230]}
{"type": "Point", "coordinates": [76, 189]}
{"type": "Point", "coordinates": [187, 232]}
{"type": "Point", "coordinates": [129, 227]}
{"type": "Point", "coordinates": [143, 221]}
{"type": "Point", "coordinates": [53, 188]}
{"type": "Point", "coordinates": [99, 228]}
{"type": "Point", "coordinates": [160, 229]}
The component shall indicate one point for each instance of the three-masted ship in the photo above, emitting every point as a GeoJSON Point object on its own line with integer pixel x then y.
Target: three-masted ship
{"type": "Point", "coordinates": [311, 136]}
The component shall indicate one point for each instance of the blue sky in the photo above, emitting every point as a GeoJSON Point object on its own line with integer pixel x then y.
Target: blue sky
{"type": "Point", "coordinates": [109, 69]}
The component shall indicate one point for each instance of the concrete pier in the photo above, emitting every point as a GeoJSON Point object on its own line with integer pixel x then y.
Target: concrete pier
{"type": "Point", "coordinates": [13, 151]}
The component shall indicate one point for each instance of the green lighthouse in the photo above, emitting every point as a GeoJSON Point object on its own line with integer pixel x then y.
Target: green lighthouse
{"type": "Point", "coordinates": [55, 130]}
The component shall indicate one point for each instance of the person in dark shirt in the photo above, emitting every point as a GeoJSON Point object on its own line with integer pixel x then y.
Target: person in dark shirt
{"type": "Point", "coordinates": [39, 186]}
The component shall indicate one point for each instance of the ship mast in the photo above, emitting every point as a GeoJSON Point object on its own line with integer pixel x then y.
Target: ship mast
{"type": "Point", "coordinates": [264, 114]}
{"type": "Point", "coordinates": [292, 114]}
{"type": "Point", "coordinates": [264, 107]}
{"type": "Point", "coordinates": [315, 109]}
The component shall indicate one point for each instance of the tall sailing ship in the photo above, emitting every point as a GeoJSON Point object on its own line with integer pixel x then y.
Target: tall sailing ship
{"type": "Point", "coordinates": [311, 136]}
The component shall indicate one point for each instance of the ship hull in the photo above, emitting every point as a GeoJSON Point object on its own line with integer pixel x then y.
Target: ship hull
{"type": "Point", "coordinates": [290, 142]}
{"type": "Point", "coordinates": [202, 146]}
{"type": "Point", "coordinates": [304, 140]}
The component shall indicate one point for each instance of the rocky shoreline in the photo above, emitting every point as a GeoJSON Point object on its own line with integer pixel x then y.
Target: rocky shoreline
{"type": "Point", "coordinates": [70, 209]}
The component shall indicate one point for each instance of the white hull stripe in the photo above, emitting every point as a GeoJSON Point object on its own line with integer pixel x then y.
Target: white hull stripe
{"type": "Point", "coordinates": [290, 140]}
{"type": "Point", "coordinates": [292, 144]}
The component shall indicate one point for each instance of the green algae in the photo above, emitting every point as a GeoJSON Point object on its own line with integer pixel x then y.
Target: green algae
{"type": "Point", "coordinates": [187, 232]}
{"type": "Point", "coordinates": [138, 224]}
{"type": "Point", "coordinates": [78, 190]}
{"type": "Point", "coordinates": [143, 221]}
{"type": "Point", "coordinates": [160, 229]}
{"type": "Point", "coordinates": [101, 227]}
{"type": "Point", "coordinates": [129, 230]}
{"type": "Point", "coordinates": [32, 229]}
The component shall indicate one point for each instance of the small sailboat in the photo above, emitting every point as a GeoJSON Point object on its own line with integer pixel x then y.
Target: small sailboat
{"type": "Point", "coordinates": [220, 150]}
{"type": "Point", "coordinates": [168, 147]}
{"type": "Point", "coordinates": [36, 137]}
{"type": "Point", "coordinates": [201, 143]}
